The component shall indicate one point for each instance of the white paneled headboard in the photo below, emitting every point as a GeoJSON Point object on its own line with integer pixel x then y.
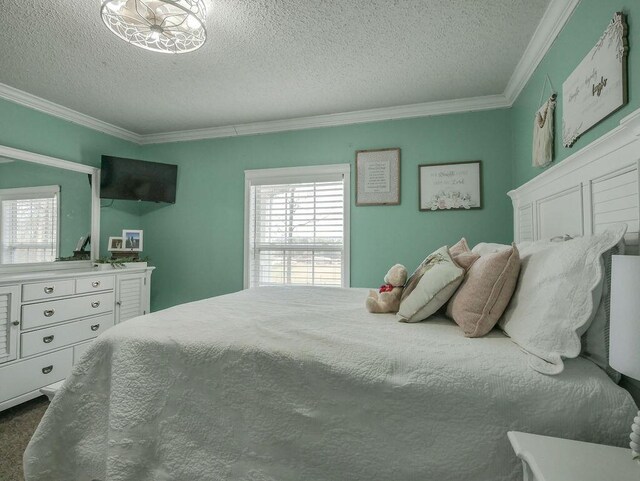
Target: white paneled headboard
{"type": "Point", "coordinates": [593, 188]}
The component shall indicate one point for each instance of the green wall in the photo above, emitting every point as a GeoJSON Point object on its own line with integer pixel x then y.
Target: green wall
{"type": "Point", "coordinates": [28, 129]}
{"type": "Point", "coordinates": [197, 244]}
{"type": "Point", "coordinates": [577, 38]}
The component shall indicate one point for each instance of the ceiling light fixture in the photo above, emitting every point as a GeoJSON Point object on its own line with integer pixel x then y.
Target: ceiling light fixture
{"type": "Point", "coordinates": [168, 26]}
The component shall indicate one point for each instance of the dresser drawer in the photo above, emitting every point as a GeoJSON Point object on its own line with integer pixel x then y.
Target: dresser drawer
{"type": "Point", "coordinates": [94, 284]}
{"type": "Point", "coordinates": [26, 376]}
{"type": "Point", "coordinates": [44, 290]}
{"type": "Point", "coordinates": [44, 313]}
{"type": "Point", "coordinates": [43, 340]}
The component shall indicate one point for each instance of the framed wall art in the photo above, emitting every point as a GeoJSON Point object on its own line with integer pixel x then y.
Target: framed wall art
{"type": "Point", "coordinates": [451, 186]}
{"type": "Point", "coordinates": [598, 86]}
{"type": "Point", "coordinates": [378, 177]}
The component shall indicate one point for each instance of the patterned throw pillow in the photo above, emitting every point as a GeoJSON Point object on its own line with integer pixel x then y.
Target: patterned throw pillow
{"type": "Point", "coordinates": [430, 286]}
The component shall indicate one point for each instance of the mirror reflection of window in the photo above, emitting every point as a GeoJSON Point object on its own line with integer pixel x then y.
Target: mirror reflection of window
{"type": "Point", "coordinates": [29, 224]}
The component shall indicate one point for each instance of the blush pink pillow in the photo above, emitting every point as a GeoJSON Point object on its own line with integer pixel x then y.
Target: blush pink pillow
{"type": "Point", "coordinates": [485, 292]}
{"type": "Point", "coordinates": [462, 255]}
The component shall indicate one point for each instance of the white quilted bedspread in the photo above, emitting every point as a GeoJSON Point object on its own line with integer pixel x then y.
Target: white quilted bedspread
{"type": "Point", "coordinates": [292, 384]}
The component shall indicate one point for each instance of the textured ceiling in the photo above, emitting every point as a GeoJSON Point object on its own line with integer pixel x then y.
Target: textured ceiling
{"type": "Point", "coordinates": [267, 59]}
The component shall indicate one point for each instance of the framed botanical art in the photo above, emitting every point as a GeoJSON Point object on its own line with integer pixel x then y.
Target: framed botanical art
{"type": "Point", "coordinates": [378, 177]}
{"type": "Point", "coordinates": [452, 186]}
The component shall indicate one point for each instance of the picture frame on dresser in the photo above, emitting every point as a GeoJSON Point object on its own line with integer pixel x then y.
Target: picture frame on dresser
{"type": "Point", "coordinates": [116, 244]}
{"type": "Point", "coordinates": [133, 240]}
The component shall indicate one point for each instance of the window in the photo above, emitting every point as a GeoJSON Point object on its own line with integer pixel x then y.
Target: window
{"type": "Point", "coordinates": [297, 226]}
{"type": "Point", "coordinates": [29, 224]}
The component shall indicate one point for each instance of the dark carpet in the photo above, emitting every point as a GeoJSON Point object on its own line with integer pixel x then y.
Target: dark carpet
{"type": "Point", "coordinates": [16, 428]}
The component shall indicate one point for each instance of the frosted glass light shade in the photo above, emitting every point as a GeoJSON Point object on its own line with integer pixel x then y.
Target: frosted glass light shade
{"type": "Point", "coordinates": [167, 26]}
{"type": "Point", "coordinates": [624, 330]}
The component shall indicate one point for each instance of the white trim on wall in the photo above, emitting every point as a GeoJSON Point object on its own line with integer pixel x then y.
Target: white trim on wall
{"type": "Point", "coordinates": [427, 109]}
{"type": "Point", "coordinates": [554, 19]}
{"type": "Point", "coordinates": [56, 110]}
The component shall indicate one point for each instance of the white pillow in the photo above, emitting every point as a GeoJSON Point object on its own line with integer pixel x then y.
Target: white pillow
{"type": "Point", "coordinates": [558, 291]}
{"type": "Point", "coordinates": [438, 277]}
{"type": "Point", "coordinates": [484, 248]}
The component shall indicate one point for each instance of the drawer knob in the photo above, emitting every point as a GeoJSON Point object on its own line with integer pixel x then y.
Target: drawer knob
{"type": "Point", "coordinates": [95, 283]}
{"type": "Point", "coordinates": [95, 304]}
{"type": "Point", "coordinates": [47, 370]}
{"type": "Point", "coordinates": [47, 339]}
{"type": "Point", "coordinates": [16, 323]}
{"type": "Point", "coordinates": [49, 312]}
{"type": "Point", "coordinates": [48, 290]}
{"type": "Point", "coordinates": [95, 327]}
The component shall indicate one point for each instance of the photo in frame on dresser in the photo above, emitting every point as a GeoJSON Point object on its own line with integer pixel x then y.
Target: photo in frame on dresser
{"type": "Point", "coordinates": [132, 240]}
{"type": "Point", "coordinates": [116, 244]}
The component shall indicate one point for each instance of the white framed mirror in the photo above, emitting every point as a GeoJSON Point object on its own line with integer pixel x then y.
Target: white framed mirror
{"type": "Point", "coordinates": [48, 206]}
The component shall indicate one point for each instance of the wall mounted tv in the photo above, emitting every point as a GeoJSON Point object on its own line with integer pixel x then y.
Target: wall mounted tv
{"type": "Point", "coordinates": [130, 179]}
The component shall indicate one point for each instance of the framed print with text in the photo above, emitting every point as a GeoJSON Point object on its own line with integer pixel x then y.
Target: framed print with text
{"type": "Point", "coordinates": [378, 177]}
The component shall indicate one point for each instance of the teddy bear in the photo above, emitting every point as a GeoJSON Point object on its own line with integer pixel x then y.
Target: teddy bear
{"type": "Point", "coordinates": [387, 298]}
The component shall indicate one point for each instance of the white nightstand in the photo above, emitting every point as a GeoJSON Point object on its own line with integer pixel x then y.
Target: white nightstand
{"type": "Point", "coordinates": [553, 459]}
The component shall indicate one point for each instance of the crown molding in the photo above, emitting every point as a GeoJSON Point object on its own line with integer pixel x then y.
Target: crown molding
{"type": "Point", "coordinates": [37, 103]}
{"type": "Point", "coordinates": [489, 102]}
{"type": "Point", "coordinates": [554, 19]}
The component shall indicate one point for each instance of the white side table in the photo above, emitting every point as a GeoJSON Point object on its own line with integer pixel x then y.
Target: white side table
{"type": "Point", "coordinates": [553, 459]}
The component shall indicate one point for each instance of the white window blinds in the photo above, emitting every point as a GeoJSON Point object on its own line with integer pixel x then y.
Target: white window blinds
{"type": "Point", "coordinates": [29, 225]}
{"type": "Point", "coordinates": [297, 228]}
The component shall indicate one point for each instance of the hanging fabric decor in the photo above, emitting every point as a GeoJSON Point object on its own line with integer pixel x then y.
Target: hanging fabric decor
{"type": "Point", "coordinates": [543, 134]}
{"type": "Point", "coordinates": [542, 152]}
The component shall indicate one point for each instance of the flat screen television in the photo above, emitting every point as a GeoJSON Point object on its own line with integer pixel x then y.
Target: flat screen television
{"type": "Point", "coordinates": [130, 179]}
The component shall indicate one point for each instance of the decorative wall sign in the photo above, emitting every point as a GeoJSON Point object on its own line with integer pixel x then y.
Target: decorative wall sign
{"type": "Point", "coordinates": [598, 86]}
{"type": "Point", "coordinates": [450, 186]}
{"type": "Point", "coordinates": [378, 177]}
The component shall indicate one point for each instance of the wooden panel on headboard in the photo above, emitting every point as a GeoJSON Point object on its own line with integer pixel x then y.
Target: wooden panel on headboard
{"type": "Point", "coordinates": [525, 223]}
{"type": "Point", "coordinates": [615, 199]}
{"type": "Point", "coordinates": [560, 213]}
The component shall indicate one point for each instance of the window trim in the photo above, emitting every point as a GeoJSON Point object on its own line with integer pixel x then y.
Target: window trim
{"type": "Point", "coordinates": [292, 175]}
{"type": "Point", "coordinates": [38, 192]}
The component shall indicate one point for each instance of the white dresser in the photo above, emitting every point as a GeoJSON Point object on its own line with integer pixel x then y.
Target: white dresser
{"type": "Point", "coordinates": [48, 319]}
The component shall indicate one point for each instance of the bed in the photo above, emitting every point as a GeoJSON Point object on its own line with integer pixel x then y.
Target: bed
{"type": "Point", "coordinates": [283, 384]}
{"type": "Point", "coordinates": [279, 384]}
